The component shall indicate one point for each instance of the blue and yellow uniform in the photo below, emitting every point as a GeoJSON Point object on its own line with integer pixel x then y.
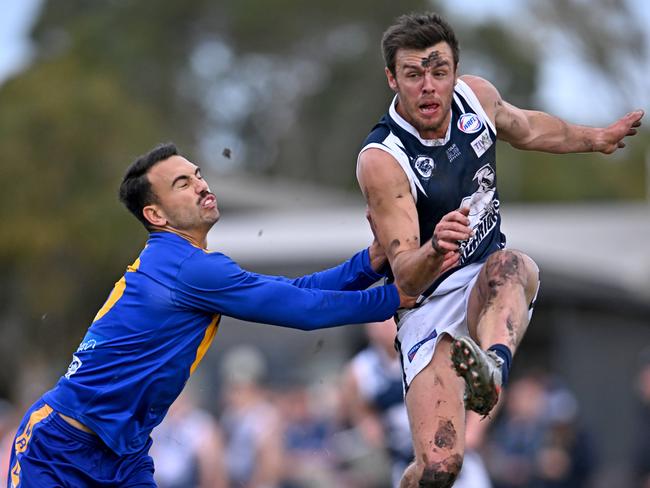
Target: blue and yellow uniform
{"type": "Point", "coordinates": [150, 336]}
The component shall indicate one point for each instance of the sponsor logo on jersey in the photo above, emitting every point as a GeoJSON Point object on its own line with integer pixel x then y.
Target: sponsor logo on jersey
{"type": "Point", "coordinates": [469, 123]}
{"type": "Point", "coordinates": [84, 346]}
{"type": "Point", "coordinates": [484, 227]}
{"type": "Point", "coordinates": [483, 210]}
{"type": "Point", "coordinates": [74, 366]}
{"type": "Point", "coordinates": [482, 143]}
{"type": "Point", "coordinates": [425, 166]}
{"type": "Point", "coordinates": [453, 152]}
{"type": "Point", "coordinates": [413, 351]}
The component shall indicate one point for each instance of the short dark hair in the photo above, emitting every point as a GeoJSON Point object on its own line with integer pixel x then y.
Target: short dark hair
{"type": "Point", "coordinates": [135, 189]}
{"type": "Point", "coordinates": [417, 31]}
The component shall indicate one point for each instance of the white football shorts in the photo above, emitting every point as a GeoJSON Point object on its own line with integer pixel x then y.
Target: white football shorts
{"type": "Point", "coordinates": [443, 312]}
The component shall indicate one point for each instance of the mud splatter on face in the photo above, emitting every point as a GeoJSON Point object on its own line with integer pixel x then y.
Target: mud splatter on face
{"type": "Point", "coordinates": [433, 59]}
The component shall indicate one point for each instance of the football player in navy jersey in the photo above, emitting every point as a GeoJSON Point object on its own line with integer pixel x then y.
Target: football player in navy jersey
{"type": "Point", "coordinates": [93, 428]}
{"type": "Point", "coordinates": [428, 173]}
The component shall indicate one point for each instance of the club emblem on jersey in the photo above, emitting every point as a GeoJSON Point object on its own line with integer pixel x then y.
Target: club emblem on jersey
{"type": "Point", "coordinates": [425, 166]}
{"type": "Point", "coordinates": [74, 366]}
{"type": "Point", "coordinates": [482, 143]}
{"type": "Point", "coordinates": [470, 123]}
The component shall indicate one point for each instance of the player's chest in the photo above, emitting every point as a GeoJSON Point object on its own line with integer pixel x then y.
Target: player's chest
{"type": "Point", "coordinates": [451, 169]}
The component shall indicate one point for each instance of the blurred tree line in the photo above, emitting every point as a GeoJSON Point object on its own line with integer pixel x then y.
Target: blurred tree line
{"type": "Point", "coordinates": [287, 88]}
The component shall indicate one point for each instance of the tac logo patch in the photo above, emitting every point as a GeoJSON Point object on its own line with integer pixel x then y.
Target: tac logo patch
{"type": "Point", "coordinates": [469, 123]}
{"type": "Point", "coordinates": [425, 166]}
{"type": "Point", "coordinates": [482, 143]}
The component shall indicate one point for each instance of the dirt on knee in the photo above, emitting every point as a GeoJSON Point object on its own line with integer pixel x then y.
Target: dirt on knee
{"type": "Point", "coordinates": [505, 267]}
{"type": "Point", "coordinates": [442, 474]}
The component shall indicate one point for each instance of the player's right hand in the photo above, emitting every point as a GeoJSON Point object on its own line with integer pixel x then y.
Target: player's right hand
{"type": "Point", "coordinates": [451, 229]}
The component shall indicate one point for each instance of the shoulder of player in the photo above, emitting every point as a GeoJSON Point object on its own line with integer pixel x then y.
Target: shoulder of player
{"type": "Point", "coordinates": [378, 165]}
{"type": "Point", "coordinates": [487, 94]}
{"type": "Point", "coordinates": [482, 88]}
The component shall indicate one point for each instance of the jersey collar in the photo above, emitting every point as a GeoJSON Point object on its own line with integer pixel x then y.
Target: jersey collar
{"type": "Point", "coordinates": [399, 120]}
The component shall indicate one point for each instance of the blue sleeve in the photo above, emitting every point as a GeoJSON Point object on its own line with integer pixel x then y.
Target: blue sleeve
{"type": "Point", "coordinates": [214, 283]}
{"type": "Point", "coordinates": [354, 274]}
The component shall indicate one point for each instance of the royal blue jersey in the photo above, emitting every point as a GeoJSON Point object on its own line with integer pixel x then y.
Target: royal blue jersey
{"type": "Point", "coordinates": [445, 174]}
{"type": "Point", "coordinates": [163, 314]}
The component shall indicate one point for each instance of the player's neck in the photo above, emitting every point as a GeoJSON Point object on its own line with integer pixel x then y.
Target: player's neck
{"type": "Point", "coordinates": [428, 134]}
{"type": "Point", "coordinates": [197, 238]}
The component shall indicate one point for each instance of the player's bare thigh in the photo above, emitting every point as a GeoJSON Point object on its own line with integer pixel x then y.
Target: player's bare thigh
{"type": "Point", "coordinates": [437, 415]}
{"type": "Point", "coordinates": [507, 275]}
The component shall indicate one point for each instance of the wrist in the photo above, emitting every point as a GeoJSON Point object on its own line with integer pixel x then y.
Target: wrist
{"type": "Point", "coordinates": [436, 247]}
{"type": "Point", "coordinates": [376, 262]}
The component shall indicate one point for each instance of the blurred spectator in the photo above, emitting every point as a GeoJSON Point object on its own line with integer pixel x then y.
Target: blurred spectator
{"type": "Point", "coordinates": [252, 427]}
{"type": "Point", "coordinates": [642, 448]}
{"type": "Point", "coordinates": [307, 432]}
{"type": "Point", "coordinates": [372, 397]}
{"type": "Point", "coordinates": [474, 473]}
{"type": "Point", "coordinates": [188, 447]}
{"type": "Point", "coordinates": [537, 442]}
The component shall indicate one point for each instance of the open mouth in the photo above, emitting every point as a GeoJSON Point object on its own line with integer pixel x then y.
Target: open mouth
{"type": "Point", "coordinates": [209, 202]}
{"type": "Point", "coordinates": [429, 108]}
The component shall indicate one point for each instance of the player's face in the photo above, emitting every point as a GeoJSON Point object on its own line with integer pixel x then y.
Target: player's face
{"type": "Point", "coordinates": [424, 81]}
{"type": "Point", "coordinates": [185, 202]}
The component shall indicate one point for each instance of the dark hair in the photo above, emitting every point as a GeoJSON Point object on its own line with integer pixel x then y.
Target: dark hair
{"type": "Point", "coordinates": [135, 190]}
{"type": "Point", "coordinates": [417, 31]}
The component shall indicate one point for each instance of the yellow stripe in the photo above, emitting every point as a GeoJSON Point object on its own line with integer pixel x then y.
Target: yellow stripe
{"type": "Point", "coordinates": [118, 291]}
{"type": "Point", "coordinates": [23, 439]}
{"type": "Point", "coordinates": [210, 332]}
{"type": "Point", "coordinates": [15, 475]}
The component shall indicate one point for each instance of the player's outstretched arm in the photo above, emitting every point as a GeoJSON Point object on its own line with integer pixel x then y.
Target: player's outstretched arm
{"type": "Point", "coordinates": [539, 131]}
{"type": "Point", "coordinates": [216, 284]}
{"type": "Point", "coordinates": [395, 223]}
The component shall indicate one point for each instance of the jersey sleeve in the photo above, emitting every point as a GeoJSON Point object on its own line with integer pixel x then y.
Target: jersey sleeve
{"type": "Point", "coordinates": [214, 283]}
{"type": "Point", "coordinates": [354, 274]}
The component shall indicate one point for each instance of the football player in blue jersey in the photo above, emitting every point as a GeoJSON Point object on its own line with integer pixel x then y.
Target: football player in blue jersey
{"type": "Point", "coordinates": [428, 173]}
{"type": "Point", "coordinates": [93, 428]}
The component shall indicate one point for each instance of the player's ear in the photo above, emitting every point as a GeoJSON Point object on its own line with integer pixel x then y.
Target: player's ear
{"type": "Point", "coordinates": [154, 215]}
{"type": "Point", "coordinates": [392, 82]}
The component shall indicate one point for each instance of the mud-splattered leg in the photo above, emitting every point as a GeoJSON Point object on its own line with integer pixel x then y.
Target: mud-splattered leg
{"type": "Point", "coordinates": [499, 303]}
{"type": "Point", "coordinates": [437, 417]}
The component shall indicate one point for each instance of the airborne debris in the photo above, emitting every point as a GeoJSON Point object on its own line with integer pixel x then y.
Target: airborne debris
{"type": "Point", "coordinates": [226, 152]}
{"type": "Point", "coordinates": [319, 345]}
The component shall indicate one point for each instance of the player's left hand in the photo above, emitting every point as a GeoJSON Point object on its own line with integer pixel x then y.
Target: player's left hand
{"type": "Point", "coordinates": [614, 134]}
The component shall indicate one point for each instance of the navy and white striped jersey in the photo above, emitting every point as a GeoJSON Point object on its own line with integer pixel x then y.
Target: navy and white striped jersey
{"type": "Point", "coordinates": [445, 174]}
